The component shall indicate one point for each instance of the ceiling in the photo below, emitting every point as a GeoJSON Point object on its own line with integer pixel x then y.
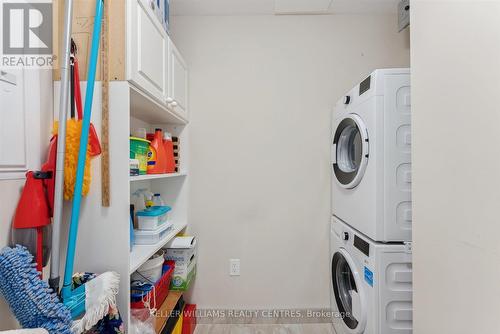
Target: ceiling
{"type": "Point", "coordinates": [271, 7]}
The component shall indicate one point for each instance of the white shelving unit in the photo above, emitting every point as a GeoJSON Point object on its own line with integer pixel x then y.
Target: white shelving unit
{"type": "Point", "coordinates": [104, 233]}
{"type": "Point", "coordinates": [151, 92]}
{"type": "Point", "coordinates": [148, 109]}
{"type": "Point", "coordinates": [141, 253]}
{"type": "Point", "coordinates": [156, 176]}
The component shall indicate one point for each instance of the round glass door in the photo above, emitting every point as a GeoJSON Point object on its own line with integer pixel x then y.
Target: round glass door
{"type": "Point", "coordinates": [351, 151]}
{"type": "Point", "coordinates": [346, 292]}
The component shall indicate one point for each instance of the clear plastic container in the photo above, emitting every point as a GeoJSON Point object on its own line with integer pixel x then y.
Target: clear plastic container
{"type": "Point", "coordinates": [145, 237]}
{"type": "Point", "coordinates": [153, 218]}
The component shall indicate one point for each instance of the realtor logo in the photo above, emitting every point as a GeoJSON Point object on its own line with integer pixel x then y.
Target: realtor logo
{"type": "Point", "coordinates": [27, 34]}
{"type": "Point", "coordinates": [27, 28]}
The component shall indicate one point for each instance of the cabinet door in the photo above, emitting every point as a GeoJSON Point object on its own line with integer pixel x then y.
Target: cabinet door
{"type": "Point", "coordinates": [147, 50]}
{"type": "Point", "coordinates": [178, 83]}
{"type": "Point", "coordinates": [12, 126]}
{"type": "Point", "coordinates": [25, 120]}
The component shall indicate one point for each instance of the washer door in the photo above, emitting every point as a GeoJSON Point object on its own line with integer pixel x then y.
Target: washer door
{"type": "Point", "coordinates": [350, 151]}
{"type": "Point", "coordinates": [347, 289]}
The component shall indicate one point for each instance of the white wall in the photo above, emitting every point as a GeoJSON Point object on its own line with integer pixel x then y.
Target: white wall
{"type": "Point", "coordinates": [262, 90]}
{"type": "Point", "coordinates": [39, 88]}
{"type": "Point", "coordinates": [456, 178]}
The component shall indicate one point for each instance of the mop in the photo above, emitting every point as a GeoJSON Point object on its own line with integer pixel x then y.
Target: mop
{"type": "Point", "coordinates": [94, 298]}
{"type": "Point", "coordinates": [31, 300]}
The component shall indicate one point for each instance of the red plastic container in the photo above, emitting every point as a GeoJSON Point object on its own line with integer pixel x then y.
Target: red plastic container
{"type": "Point", "coordinates": [189, 319]}
{"type": "Point", "coordinates": [158, 163]}
{"type": "Point", "coordinates": [162, 287]}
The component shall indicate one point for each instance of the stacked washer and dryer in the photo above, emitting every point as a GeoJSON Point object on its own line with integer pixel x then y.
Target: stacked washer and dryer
{"type": "Point", "coordinates": [370, 237]}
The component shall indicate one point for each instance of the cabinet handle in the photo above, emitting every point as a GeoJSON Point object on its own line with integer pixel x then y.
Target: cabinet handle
{"type": "Point", "coordinates": [174, 104]}
{"type": "Point", "coordinates": [169, 100]}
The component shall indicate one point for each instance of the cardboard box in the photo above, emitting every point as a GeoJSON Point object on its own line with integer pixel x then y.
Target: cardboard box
{"type": "Point", "coordinates": [183, 251]}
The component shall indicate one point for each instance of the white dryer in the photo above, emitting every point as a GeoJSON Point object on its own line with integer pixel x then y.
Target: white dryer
{"type": "Point", "coordinates": [371, 156]}
{"type": "Point", "coordinates": [371, 284]}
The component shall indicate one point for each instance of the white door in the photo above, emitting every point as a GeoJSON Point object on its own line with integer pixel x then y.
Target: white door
{"type": "Point", "coordinates": [350, 151]}
{"type": "Point", "coordinates": [147, 50]}
{"type": "Point", "coordinates": [347, 292]}
{"type": "Point", "coordinates": [178, 85]}
{"type": "Point", "coordinates": [12, 125]}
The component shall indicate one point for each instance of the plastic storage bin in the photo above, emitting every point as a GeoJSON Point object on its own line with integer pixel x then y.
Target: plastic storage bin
{"type": "Point", "coordinates": [156, 296]}
{"type": "Point", "coordinates": [145, 237]}
{"type": "Point", "coordinates": [153, 218]}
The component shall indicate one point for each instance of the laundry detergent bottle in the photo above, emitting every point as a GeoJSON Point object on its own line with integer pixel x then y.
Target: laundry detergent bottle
{"type": "Point", "coordinates": [157, 164]}
{"type": "Point", "coordinates": [169, 152]}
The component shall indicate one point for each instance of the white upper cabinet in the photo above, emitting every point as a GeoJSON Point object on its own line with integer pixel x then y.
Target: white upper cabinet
{"type": "Point", "coordinates": [147, 51]}
{"type": "Point", "coordinates": [155, 65]}
{"type": "Point", "coordinates": [178, 82]}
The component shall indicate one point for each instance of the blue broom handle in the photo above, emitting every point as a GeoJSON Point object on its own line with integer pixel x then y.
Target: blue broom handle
{"type": "Point", "coordinates": [82, 152]}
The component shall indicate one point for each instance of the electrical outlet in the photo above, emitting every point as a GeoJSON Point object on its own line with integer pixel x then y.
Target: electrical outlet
{"type": "Point", "coordinates": [234, 267]}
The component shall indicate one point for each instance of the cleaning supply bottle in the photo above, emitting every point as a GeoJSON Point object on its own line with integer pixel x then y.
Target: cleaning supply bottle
{"type": "Point", "coordinates": [142, 199]}
{"type": "Point", "coordinates": [157, 200]}
{"type": "Point", "coordinates": [157, 164]}
{"type": "Point", "coordinates": [148, 199]}
{"type": "Point", "coordinates": [151, 160]}
{"type": "Point", "coordinates": [169, 152]}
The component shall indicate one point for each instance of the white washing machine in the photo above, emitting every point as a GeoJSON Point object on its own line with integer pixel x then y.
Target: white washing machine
{"type": "Point", "coordinates": [371, 156]}
{"type": "Point", "coordinates": [371, 284]}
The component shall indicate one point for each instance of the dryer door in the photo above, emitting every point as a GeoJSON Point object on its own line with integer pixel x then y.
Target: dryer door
{"type": "Point", "coordinates": [347, 289]}
{"type": "Point", "coordinates": [350, 151]}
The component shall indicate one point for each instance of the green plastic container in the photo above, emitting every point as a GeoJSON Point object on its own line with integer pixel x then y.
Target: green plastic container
{"type": "Point", "coordinates": [139, 150]}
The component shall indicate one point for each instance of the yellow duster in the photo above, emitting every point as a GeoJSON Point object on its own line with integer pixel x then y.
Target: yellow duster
{"type": "Point", "coordinates": [73, 131]}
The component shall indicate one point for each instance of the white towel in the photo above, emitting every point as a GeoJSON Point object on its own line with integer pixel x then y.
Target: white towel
{"type": "Point", "coordinates": [100, 295]}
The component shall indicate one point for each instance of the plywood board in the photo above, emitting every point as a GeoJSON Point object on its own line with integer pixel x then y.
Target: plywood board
{"type": "Point", "coordinates": [166, 308]}
{"type": "Point", "coordinates": [83, 24]}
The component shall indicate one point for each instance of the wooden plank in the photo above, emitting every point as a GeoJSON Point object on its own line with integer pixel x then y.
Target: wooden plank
{"type": "Point", "coordinates": [117, 44]}
{"type": "Point", "coordinates": [164, 311]}
{"type": "Point", "coordinates": [83, 24]}
{"type": "Point", "coordinates": [105, 184]}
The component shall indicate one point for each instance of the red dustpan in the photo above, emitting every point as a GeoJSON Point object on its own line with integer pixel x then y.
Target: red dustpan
{"type": "Point", "coordinates": [32, 217]}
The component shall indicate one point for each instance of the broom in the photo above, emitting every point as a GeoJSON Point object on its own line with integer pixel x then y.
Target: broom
{"type": "Point", "coordinates": [95, 297]}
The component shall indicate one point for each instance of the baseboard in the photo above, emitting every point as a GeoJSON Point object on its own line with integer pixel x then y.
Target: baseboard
{"type": "Point", "coordinates": [276, 316]}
